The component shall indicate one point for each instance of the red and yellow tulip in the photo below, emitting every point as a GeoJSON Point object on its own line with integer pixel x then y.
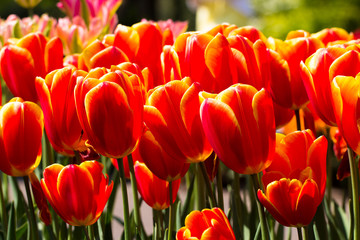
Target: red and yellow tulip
{"type": "Point", "coordinates": [21, 129]}
{"type": "Point", "coordinates": [295, 181]}
{"type": "Point", "coordinates": [239, 124]}
{"type": "Point", "coordinates": [77, 193]}
{"type": "Point", "coordinates": [207, 224]}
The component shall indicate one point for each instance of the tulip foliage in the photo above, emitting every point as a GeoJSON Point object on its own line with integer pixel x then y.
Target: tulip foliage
{"type": "Point", "coordinates": [220, 134]}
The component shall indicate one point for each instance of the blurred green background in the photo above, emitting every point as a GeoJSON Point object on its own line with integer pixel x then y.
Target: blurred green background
{"type": "Point", "coordinates": [274, 17]}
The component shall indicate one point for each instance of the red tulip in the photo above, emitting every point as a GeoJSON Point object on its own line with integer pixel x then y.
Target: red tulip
{"type": "Point", "coordinates": [36, 56]}
{"type": "Point", "coordinates": [77, 193]}
{"type": "Point", "coordinates": [295, 181]}
{"type": "Point", "coordinates": [239, 124]}
{"type": "Point", "coordinates": [345, 91]}
{"type": "Point", "coordinates": [110, 110]}
{"type": "Point", "coordinates": [207, 224]}
{"type": "Point", "coordinates": [21, 129]}
{"type": "Point", "coordinates": [154, 190]}
{"type": "Point", "coordinates": [56, 95]}
{"type": "Point", "coordinates": [318, 72]}
{"type": "Point", "coordinates": [172, 116]}
{"type": "Point", "coordinates": [331, 35]}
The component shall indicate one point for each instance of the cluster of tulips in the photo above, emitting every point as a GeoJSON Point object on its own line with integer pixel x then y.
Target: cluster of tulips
{"type": "Point", "coordinates": [155, 104]}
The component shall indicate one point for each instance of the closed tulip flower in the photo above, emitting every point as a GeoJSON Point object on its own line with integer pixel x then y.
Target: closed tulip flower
{"type": "Point", "coordinates": [56, 95]}
{"type": "Point", "coordinates": [239, 124]}
{"type": "Point", "coordinates": [207, 224]}
{"type": "Point", "coordinates": [77, 193]}
{"type": "Point", "coordinates": [319, 70]}
{"type": "Point", "coordinates": [110, 109]}
{"type": "Point", "coordinates": [172, 116]}
{"type": "Point", "coordinates": [345, 91]}
{"type": "Point", "coordinates": [21, 129]}
{"type": "Point", "coordinates": [154, 190]}
{"type": "Point", "coordinates": [37, 56]}
{"type": "Point", "coordinates": [295, 181]}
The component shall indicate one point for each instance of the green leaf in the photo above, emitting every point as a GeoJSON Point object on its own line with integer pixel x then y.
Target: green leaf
{"type": "Point", "coordinates": [11, 231]}
{"type": "Point", "coordinates": [20, 231]}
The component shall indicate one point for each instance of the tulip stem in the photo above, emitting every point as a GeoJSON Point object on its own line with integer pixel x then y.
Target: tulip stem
{"type": "Point", "coordinates": [208, 185]}
{"type": "Point", "coordinates": [125, 200]}
{"type": "Point", "coordinates": [220, 187]}
{"type": "Point", "coordinates": [299, 233]}
{"type": "Point", "coordinates": [171, 213]}
{"type": "Point", "coordinates": [3, 207]}
{"type": "Point", "coordinates": [355, 192]}
{"type": "Point", "coordinates": [263, 222]}
{"type": "Point", "coordinates": [298, 120]}
{"type": "Point", "coordinates": [32, 220]}
{"type": "Point", "coordinates": [135, 195]}
{"type": "Point", "coordinates": [86, 233]}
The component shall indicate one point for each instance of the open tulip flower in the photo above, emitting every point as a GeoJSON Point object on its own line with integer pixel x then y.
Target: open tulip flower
{"type": "Point", "coordinates": [56, 95]}
{"type": "Point", "coordinates": [110, 109]}
{"type": "Point", "coordinates": [295, 181]}
{"type": "Point", "coordinates": [319, 70]}
{"type": "Point", "coordinates": [245, 141]}
{"type": "Point", "coordinates": [37, 56]}
{"type": "Point", "coordinates": [21, 129]}
{"type": "Point", "coordinates": [77, 193]}
{"type": "Point", "coordinates": [154, 190]}
{"type": "Point", "coordinates": [333, 35]}
{"type": "Point", "coordinates": [207, 224]}
{"type": "Point", "coordinates": [172, 116]}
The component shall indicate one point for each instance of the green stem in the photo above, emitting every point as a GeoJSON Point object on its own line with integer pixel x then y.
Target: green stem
{"type": "Point", "coordinates": [135, 195]}
{"type": "Point", "coordinates": [299, 233]}
{"type": "Point", "coordinates": [3, 208]}
{"type": "Point", "coordinates": [298, 121]}
{"type": "Point", "coordinates": [171, 213]}
{"type": "Point", "coordinates": [219, 187]}
{"type": "Point", "coordinates": [208, 185]}
{"type": "Point", "coordinates": [125, 200]}
{"type": "Point", "coordinates": [263, 222]}
{"type": "Point", "coordinates": [306, 232]}
{"type": "Point", "coordinates": [33, 223]}
{"type": "Point", "coordinates": [86, 233]}
{"type": "Point", "coordinates": [51, 232]}
{"type": "Point", "coordinates": [199, 189]}
{"type": "Point", "coordinates": [237, 206]}
{"type": "Point", "coordinates": [355, 192]}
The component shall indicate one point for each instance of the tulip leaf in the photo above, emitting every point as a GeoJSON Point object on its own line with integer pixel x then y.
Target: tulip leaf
{"type": "Point", "coordinates": [19, 201]}
{"type": "Point", "coordinates": [11, 231]}
{"type": "Point", "coordinates": [186, 208]}
{"type": "Point", "coordinates": [20, 231]}
{"type": "Point", "coordinates": [178, 223]}
{"type": "Point", "coordinates": [16, 33]}
{"type": "Point", "coordinates": [332, 222]}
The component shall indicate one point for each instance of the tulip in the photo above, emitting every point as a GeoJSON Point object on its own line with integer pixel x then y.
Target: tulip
{"type": "Point", "coordinates": [56, 95]}
{"type": "Point", "coordinates": [29, 4]}
{"type": "Point", "coordinates": [154, 190]}
{"type": "Point", "coordinates": [289, 54]}
{"type": "Point", "coordinates": [36, 56]}
{"type": "Point", "coordinates": [110, 110]}
{"type": "Point", "coordinates": [245, 141]}
{"type": "Point", "coordinates": [172, 116]}
{"type": "Point", "coordinates": [21, 129]}
{"type": "Point", "coordinates": [319, 70]}
{"type": "Point", "coordinates": [207, 224]}
{"type": "Point", "coordinates": [77, 193]}
{"type": "Point", "coordinates": [159, 162]}
{"type": "Point", "coordinates": [295, 181]}
{"type": "Point", "coordinates": [345, 91]}
{"type": "Point", "coordinates": [330, 35]}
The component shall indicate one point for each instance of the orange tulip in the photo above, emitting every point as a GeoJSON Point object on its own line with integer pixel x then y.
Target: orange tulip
{"type": "Point", "coordinates": [172, 116]}
{"type": "Point", "coordinates": [239, 124]}
{"type": "Point", "coordinates": [77, 193]}
{"type": "Point", "coordinates": [320, 69]}
{"type": "Point", "coordinates": [288, 90]}
{"type": "Point", "coordinates": [152, 189]}
{"type": "Point", "coordinates": [159, 162]}
{"type": "Point", "coordinates": [295, 181]}
{"type": "Point", "coordinates": [110, 109]}
{"type": "Point", "coordinates": [36, 56]}
{"type": "Point", "coordinates": [56, 95]}
{"type": "Point", "coordinates": [207, 224]}
{"type": "Point", "coordinates": [21, 129]}
{"type": "Point", "coordinates": [330, 35]}
{"type": "Point", "coordinates": [345, 91]}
